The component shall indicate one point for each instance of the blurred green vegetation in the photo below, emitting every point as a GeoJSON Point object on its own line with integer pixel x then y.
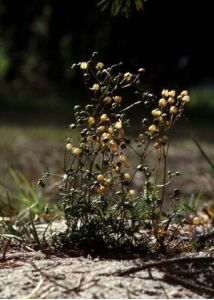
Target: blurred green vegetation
{"type": "Point", "coordinates": [202, 98]}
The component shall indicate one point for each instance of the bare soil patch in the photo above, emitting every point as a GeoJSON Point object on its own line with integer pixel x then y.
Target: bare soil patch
{"type": "Point", "coordinates": [32, 274]}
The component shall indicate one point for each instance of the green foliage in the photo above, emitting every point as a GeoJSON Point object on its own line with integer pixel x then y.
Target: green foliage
{"type": "Point", "coordinates": [101, 204]}
{"type": "Point", "coordinates": [24, 194]}
{"type": "Point", "coordinates": [123, 7]}
{"type": "Point", "coordinates": [4, 60]}
{"type": "Point", "coordinates": [25, 208]}
{"type": "Point", "coordinates": [202, 98]}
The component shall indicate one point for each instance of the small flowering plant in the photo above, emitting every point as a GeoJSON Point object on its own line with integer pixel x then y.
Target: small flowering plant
{"type": "Point", "coordinates": [102, 205]}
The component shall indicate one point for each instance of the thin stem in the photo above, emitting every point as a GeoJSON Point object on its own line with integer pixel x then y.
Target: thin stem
{"type": "Point", "coordinates": [130, 106]}
{"type": "Point", "coordinates": [165, 153]}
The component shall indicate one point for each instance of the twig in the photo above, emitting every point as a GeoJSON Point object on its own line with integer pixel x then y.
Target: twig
{"type": "Point", "coordinates": [53, 278]}
{"type": "Point", "coordinates": [48, 289]}
{"type": "Point", "coordinates": [194, 287]}
{"type": "Point", "coordinates": [130, 106]}
{"type": "Point", "coordinates": [201, 237]}
{"type": "Point", "coordinates": [45, 274]}
{"type": "Point", "coordinates": [33, 293]}
{"type": "Point", "coordinates": [165, 263]}
{"type": "Point", "coordinates": [164, 290]}
{"type": "Point", "coordinates": [204, 154]}
{"type": "Point", "coordinates": [5, 248]}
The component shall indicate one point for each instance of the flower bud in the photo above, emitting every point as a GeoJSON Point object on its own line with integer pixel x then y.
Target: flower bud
{"type": "Point", "coordinates": [152, 128]}
{"type": "Point", "coordinates": [186, 98]}
{"type": "Point", "coordinates": [108, 181]}
{"type": "Point", "coordinates": [89, 139]}
{"type": "Point", "coordinates": [127, 176]}
{"type": "Point", "coordinates": [173, 110]}
{"type": "Point", "coordinates": [100, 178]}
{"type": "Point", "coordinates": [165, 93]}
{"type": "Point", "coordinates": [162, 102]}
{"type": "Point", "coordinates": [77, 151]}
{"type": "Point", "coordinates": [106, 136]}
{"type": "Point", "coordinates": [101, 190]}
{"type": "Point", "coordinates": [107, 100]}
{"type": "Point", "coordinates": [196, 221]}
{"type": "Point", "coordinates": [172, 93]}
{"type": "Point", "coordinates": [117, 99]}
{"type": "Point", "coordinates": [95, 87]}
{"type": "Point", "coordinates": [113, 145]}
{"type": "Point", "coordinates": [156, 113]}
{"type": "Point", "coordinates": [104, 118]}
{"type": "Point", "coordinates": [101, 129]}
{"type": "Point", "coordinates": [122, 158]}
{"type": "Point", "coordinates": [91, 121]}
{"type": "Point", "coordinates": [127, 76]}
{"type": "Point", "coordinates": [184, 93]}
{"type": "Point", "coordinates": [132, 193]}
{"type": "Point", "coordinates": [110, 130]}
{"type": "Point", "coordinates": [171, 100]}
{"type": "Point", "coordinates": [69, 146]}
{"type": "Point", "coordinates": [83, 65]}
{"type": "Point", "coordinates": [100, 66]}
{"type": "Point", "coordinates": [118, 125]}
{"type": "Point", "coordinates": [157, 145]}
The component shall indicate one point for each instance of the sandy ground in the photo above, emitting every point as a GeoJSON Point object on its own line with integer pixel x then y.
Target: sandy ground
{"type": "Point", "coordinates": [37, 275]}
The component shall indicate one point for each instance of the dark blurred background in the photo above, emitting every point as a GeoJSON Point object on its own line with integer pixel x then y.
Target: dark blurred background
{"type": "Point", "coordinates": [41, 39]}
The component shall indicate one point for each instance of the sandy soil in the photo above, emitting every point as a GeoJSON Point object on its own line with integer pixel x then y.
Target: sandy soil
{"type": "Point", "coordinates": [37, 275]}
